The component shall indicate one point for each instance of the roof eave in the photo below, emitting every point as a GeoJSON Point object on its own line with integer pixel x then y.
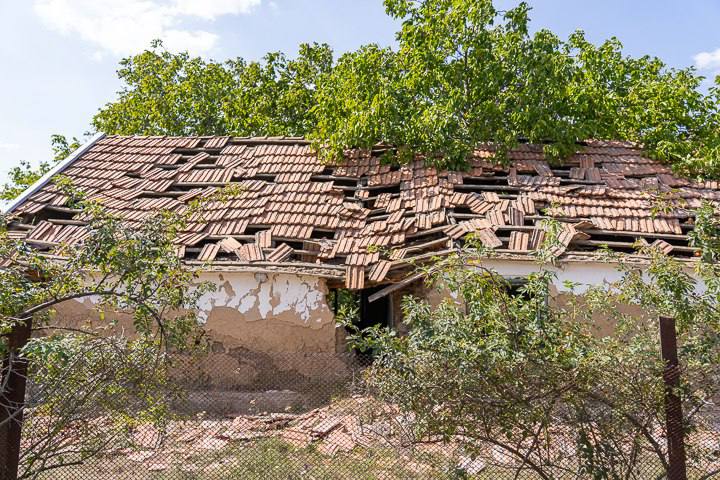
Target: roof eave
{"type": "Point", "coordinates": [62, 165]}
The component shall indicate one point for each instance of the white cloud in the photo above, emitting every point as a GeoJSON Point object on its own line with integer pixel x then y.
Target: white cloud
{"type": "Point", "coordinates": [123, 27]}
{"type": "Point", "coordinates": [708, 60]}
{"type": "Point", "coordinates": [210, 9]}
{"type": "Point", "coordinates": [9, 146]}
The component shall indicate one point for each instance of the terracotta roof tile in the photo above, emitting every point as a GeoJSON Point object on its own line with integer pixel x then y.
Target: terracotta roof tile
{"type": "Point", "coordinates": [379, 271]}
{"type": "Point", "coordinates": [488, 238]}
{"type": "Point", "coordinates": [519, 241]}
{"type": "Point", "coordinates": [355, 277]}
{"type": "Point", "coordinates": [230, 245]}
{"type": "Point", "coordinates": [250, 252]}
{"type": "Point", "coordinates": [209, 252]}
{"type": "Point", "coordinates": [264, 239]}
{"type": "Point", "coordinates": [457, 231]}
{"type": "Point", "coordinates": [280, 254]}
{"type": "Point", "coordinates": [216, 142]}
{"type": "Point", "coordinates": [516, 216]}
{"type": "Point", "coordinates": [663, 246]}
{"type": "Point", "coordinates": [190, 238]}
{"type": "Point", "coordinates": [287, 193]}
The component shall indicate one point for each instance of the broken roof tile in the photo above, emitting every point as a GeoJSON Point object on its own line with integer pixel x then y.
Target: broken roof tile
{"type": "Point", "coordinates": [519, 241]}
{"type": "Point", "coordinates": [355, 277]}
{"type": "Point", "coordinates": [250, 252]}
{"type": "Point", "coordinates": [190, 238]}
{"type": "Point", "coordinates": [516, 216]}
{"type": "Point", "coordinates": [662, 245]}
{"type": "Point", "coordinates": [488, 238]}
{"type": "Point", "coordinates": [264, 238]}
{"type": "Point", "coordinates": [281, 253]}
{"type": "Point", "coordinates": [379, 271]}
{"type": "Point", "coordinates": [209, 252]}
{"type": "Point", "coordinates": [229, 245]}
{"type": "Point", "coordinates": [286, 192]}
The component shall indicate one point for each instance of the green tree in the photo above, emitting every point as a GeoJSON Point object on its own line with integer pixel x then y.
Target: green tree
{"type": "Point", "coordinates": [463, 73]}
{"type": "Point", "coordinates": [466, 73]}
{"type": "Point", "coordinates": [24, 175]}
{"type": "Point", "coordinates": [87, 374]}
{"type": "Point", "coordinates": [495, 369]}
{"type": "Point", "coordinates": [174, 94]}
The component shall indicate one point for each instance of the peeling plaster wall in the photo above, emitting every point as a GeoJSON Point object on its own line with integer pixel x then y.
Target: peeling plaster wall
{"type": "Point", "coordinates": [258, 311]}
{"type": "Point", "coordinates": [268, 331]}
{"type": "Point", "coordinates": [273, 331]}
{"type": "Point", "coordinates": [269, 312]}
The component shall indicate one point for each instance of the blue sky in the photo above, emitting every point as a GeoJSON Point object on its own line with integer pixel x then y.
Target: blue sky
{"type": "Point", "coordinates": [58, 57]}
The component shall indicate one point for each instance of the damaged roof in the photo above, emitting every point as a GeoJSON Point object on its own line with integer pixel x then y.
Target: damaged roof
{"type": "Point", "coordinates": [363, 219]}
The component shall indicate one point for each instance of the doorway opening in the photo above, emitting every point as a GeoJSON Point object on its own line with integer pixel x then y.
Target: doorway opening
{"type": "Point", "coordinates": [355, 307]}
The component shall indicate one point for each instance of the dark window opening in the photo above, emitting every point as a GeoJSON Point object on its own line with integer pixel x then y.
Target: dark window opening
{"type": "Point", "coordinates": [515, 287]}
{"type": "Point", "coordinates": [378, 312]}
{"type": "Point", "coordinates": [540, 298]}
{"type": "Point", "coordinates": [355, 307]}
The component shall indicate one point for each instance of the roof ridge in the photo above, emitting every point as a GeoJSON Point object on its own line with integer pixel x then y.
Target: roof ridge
{"type": "Point", "coordinates": [302, 140]}
{"type": "Point", "coordinates": [231, 138]}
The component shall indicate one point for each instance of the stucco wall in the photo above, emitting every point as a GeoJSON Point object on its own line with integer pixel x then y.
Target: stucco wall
{"type": "Point", "coordinates": [259, 311]}
{"type": "Point", "coordinates": [267, 331]}
{"type": "Point", "coordinates": [269, 312]}
{"type": "Point", "coordinates": [273, 331]}
{"type": "Point", "coordinates": [583, 274]}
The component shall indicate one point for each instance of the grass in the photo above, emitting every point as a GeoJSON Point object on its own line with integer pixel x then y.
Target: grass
{"type": "Point", "coordinates": [270, 458]}
{"type": "Point", "coordinates": [274, 458]}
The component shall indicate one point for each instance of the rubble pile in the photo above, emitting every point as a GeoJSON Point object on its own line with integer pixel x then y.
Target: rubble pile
{"type": "Point", "coordinates": [337, 428]}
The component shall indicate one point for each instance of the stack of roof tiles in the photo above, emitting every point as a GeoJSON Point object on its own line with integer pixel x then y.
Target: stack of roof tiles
{"type": "Point", "coordinates": [363, 219]}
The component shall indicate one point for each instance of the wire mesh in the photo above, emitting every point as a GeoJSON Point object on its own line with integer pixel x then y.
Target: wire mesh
{"type": "Point", "coordinates": [311, 416]}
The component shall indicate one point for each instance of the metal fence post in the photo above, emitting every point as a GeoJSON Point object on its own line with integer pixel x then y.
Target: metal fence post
{"type": "Point", "coordinates": [677, 469]}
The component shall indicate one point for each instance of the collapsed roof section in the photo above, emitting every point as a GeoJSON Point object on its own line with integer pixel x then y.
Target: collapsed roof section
{"type": "Point", "coordinates": [364, 220]}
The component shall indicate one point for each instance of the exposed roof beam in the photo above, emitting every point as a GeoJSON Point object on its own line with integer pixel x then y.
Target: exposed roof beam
{"type": "Point", "coordinates": [394, 287]}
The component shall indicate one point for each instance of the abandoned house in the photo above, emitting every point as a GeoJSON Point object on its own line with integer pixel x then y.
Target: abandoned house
{"type": "Point", "coordinates": [298, 229]}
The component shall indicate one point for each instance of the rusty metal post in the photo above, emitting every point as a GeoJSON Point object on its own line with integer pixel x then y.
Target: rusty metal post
{"type": "Point", "coordinates": [677, 469]}
{"type": "Point", "coordinates": [12, 400]}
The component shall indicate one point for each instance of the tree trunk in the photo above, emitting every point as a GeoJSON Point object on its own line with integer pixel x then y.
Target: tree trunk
{"type": "Point", "coordinates": [673, 405]}
{"type": "Point", "coordinates": [12, 400]}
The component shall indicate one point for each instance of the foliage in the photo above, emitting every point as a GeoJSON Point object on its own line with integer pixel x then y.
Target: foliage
{"type": "Point", "coordinates": [348, 306]}
{"type": "Point", "coordinates": [126, 271]}
{"type": "Point", "coordinates": [530, 371]}
{"type": "Point", "coordinates": [174, 94]}
{"type": "Point", "coordinates": [23, 176]}
{"type": "Point", "coordinates": [466, 73]}
{"type": "Point", "coordinates": [463, 73]}
{"type": "Point", "coordinates": [126, 268]}
{"type": "Point", "coordinates": [91, 392]}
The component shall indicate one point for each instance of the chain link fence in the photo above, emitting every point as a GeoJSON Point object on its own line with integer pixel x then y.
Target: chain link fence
{"type": "Point", "coordinates": [310, 416]}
